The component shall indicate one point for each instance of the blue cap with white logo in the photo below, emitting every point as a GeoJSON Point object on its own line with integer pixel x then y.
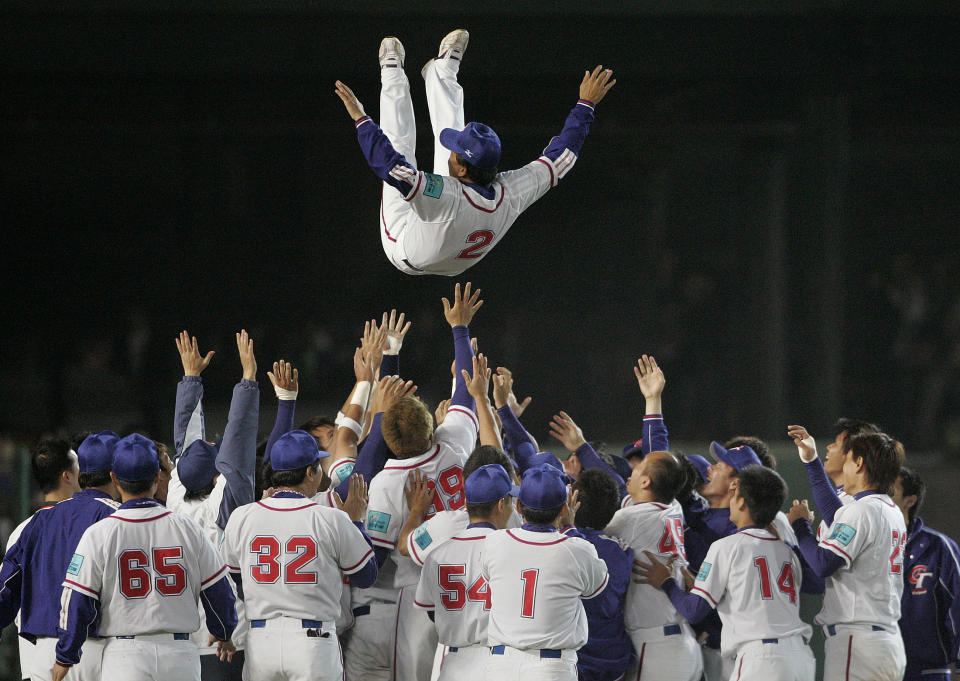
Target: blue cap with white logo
{"type": "Point", "coordinates": [477, 143]}
{"type": "Point", "coordinates": [737, 458]}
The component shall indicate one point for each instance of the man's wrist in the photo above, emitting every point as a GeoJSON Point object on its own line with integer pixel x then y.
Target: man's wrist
{"type": "Point", "coordinates": [653, 405]}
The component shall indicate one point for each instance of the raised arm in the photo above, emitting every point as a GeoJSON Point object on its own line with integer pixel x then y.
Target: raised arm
{"type": "Point", "coordinates": [479, 387]}
{"type": "Point", "coordinates": [824, 493]}
{"type": "Point", "coordinates": [516, 438]}
{"type": "Point", "coordinates": [286, 384]}
{"type": "Point", "coordinates": [564, 429]}
{"type": "Point", "coordinates": [651, 381]}
{"type": "Point", "coordinates": [396, 332]}
{"type": "Point", "coordinates": [458, 316]}
{"type": "Point", "coordinates": [237, 458]}
{"type": "Point", "coordinates": [188, 423]}
{"type": "Point", "coordinates": [350, 420]}
{"type": "Point", "coordinates": [822, 561]}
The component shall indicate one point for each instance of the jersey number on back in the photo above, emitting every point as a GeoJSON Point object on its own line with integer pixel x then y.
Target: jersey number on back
{"type": "Point", "coordinates": [672, 539]}
{"type": "Point", "coordinates": [267, 570]}
{"type": "Point", "coordinates": [451, 483]}
{"type": "Point", "coordinates": [785, 581]}
{"type": "Point", "coordinates": [896, 558]}
{"type": "Point", "coordinates": [480, 240]}
{"type": "Point", "coordinates": [455, 593]}
{"type": "Point", "coordinates": [135, 579]}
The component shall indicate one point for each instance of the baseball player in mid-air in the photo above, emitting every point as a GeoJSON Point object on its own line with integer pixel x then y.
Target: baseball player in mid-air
{"type": "Point", "coordinates": [137, 575]}
{"type": "Point", "coordinates": [861, 558]}
{"type": "Point", "coordinates": [290, 554]}
{"type": "Point", "coordinates": [445, 221]}
{"type": "Point", "coordinates": [753, 579]}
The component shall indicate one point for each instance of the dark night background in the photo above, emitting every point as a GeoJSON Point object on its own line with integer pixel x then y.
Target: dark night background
{"type": "Point", "coordinates": [767, 202]}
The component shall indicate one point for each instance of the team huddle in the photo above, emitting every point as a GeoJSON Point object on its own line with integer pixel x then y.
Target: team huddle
{"type": "Point", "coordinates": [398, 543]}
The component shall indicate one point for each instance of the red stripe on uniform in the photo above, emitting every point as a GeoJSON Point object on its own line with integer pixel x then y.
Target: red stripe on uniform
{"type": "Point", "coordinates": [362, 561]}
{"type": "Point", "coordinates": [82, 587]}
{"type": "Point", "coordinates": [643, 649]}
{"type": "Point", "coordinates": [210, 579]}
{"type": "Point", "coordinates": [553, 182]}
{"type": "Point", "coordinates": [406, 468]}
{"type": "Point", "coordinates": [503, 192]}
{"type": "Point", "coordinates": [563, 537]}
{"type": "Point", "coordinates": [709, 597]}
{"type": "Point", "coordinates": [463, 410]}
{"type": "Point", "coordinates": [740, 668]}
{"type": "Point", "coordinates": [849, 654]}
{"type": "Point", "coordinates": [139, 520]}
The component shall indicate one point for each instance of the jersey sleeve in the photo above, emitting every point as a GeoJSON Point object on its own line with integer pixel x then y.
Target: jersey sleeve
{"type": "Point", "coordinates": [459, 431]}
{"type": "Point", "coordinates": [230, 544]}
{"type": "Point", "coordinates": [85, 570]}
{"type": "Point", "coordinates": [711, 582]}
{"type": "Point", "coordinates": [618, 526]}
{"type": "Point", "coordinates": [435, 198]}
{"type": "Point", "coordinates": [212, 567]}
{"type": "Point", "coordinates": [850, 532]}
{"type": "Point", "coordinates": [426, 597]}
{"type": "Point", "coordinates": [593, 571]}
{"type": "Point", "coordinates": [384, 517]}
{"type": "Point", "coordinates": [352, 549]}
{"type": "Point", "coordinates": [431, 534]}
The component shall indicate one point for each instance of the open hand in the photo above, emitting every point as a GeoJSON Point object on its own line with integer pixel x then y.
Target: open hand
{"type": "Point", "coordinates": [284, 377]}
{"type": "Point", "coordinates": [464, 306]}
{"type": "Point", "coordinates": [564, 429]}
{"type": "Point", "coordinates": [350, 101]}
{"type": "Point", "coordinates": [193, 363]}
{"type": "Point", "coordinates": [419, 493]}
{"type": "Point", "coordinates": [653, 572]}
{"type": "Point", "coordinates": [389, 390]}
{"type": "Point", "coordinates": [396, 331]}
{"type": "Point", "coordinates": [594, 86]}
{"type": "Point", "coordinates": [806, 446]}
{"type": "Point", "coordinates": [247, 359]}
{"type": "Point", "coordinates": [478, 385]}
{"type": "Point", "coordinates": [356, 504]}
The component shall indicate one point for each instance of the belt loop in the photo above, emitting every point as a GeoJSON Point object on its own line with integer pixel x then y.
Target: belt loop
{"type": "Point", "coordinates": [497, 650]}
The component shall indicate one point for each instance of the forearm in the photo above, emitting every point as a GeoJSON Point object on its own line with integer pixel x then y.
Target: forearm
{"type": "Point", "coordinates": [81, 612]}
{"type": "Point", "coordinates": [371, 458]}
{"type": "Point", "coordinates": [366, 576]}
{"type": "Point", "coordinates": [386, 162]}
{"type": "Point", "coordinates": [824, 493]}
{"type": "Point", "coordinates": [286, 412]}
{"type": "Point", "coordinates": [11, 583]}
{"type": "Point", "coordinates": [822, 562]}
{"type": "Point", "coordinates": [654, 430]}
{"type": "Point", "coordinates": [812, 583]}
{"type": "Point", "coordinates": [513, 429]}
{"type": "Point", "coordinates": [690, 605]}
{"type": "Point", "coordinates": [464, 362]}
{"type": "Point", "coordinates": [489, 433]}
{"type": "Point", "coordinates": [237, 458]}
{"type": "Point", "coordinates": [350, 423]}
{"type": "Point", "coordinates": [219, 604]}
{"type": "Point", "coordinates": [188, 425]}
{"type": "Point", "coordinates": [574, 132]}
{"type": "Point", "coordinates": [414, 520]}
{"type": "Point", "coordinates": [590, 459]}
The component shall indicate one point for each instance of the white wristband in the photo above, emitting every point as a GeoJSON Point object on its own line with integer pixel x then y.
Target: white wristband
{"type": "Point", "coordinates": [347, 422]}
{"type": "Point", "coordinates": [809, 442]}
{"type": "Point", "coordinates": [361, 393]}
{"type": "Point", "coordinates": [284, 394]}
{"type": "Point", "coordinates": [339, 420]}
{"type": "Point", "coordinates": [393, 346]}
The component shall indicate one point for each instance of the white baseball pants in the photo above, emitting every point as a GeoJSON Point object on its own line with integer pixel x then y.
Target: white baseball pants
{"type": "Point", "coordinates": [368, 653]}
{"type": "Point", "coordinates": [789, 659]}
{"type": "Point", "coordinates": [445, 103]}
{"type": "Point", "coordinates": [282, 650]}
{"type": "Point", "coordinates": [464, 664]}
{"type": "Point", "coordinates": [157, 657]}
{"type": "Point", "coordinates": [858, 653]}
{"type": "Point", "coordinates": [42, 656]}
{"type": "Point", "coordinates": [416, 639]}
{"type": "Point", "coordinates": [660, 657]}
{"type": "Point", "coordinates": [527, 665]}
{"type": "Point", "coordinates": [716, 667]}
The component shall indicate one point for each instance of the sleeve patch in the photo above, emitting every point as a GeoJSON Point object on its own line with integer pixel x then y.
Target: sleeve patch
{"type": "Point", "coordinates": [378, 521]}
{"type": "Point", "coordinates": [434, 186]}
{"type": "Point", "coordinates": [843, 533]}
{"type": "Point", "coordinates": [344, 472]}
{"type": "Point", "coordinates": [75, 563]}
{"type": "Point", "coordinates": [422, 537]}
{"type": "Point", "coordinates": [704, 571]}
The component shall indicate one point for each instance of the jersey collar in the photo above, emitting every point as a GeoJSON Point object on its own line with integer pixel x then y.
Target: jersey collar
{"type": "Point", "coordinates": [487, 192]}
{"type": "Point", "coordinates": [537, 527]}
{"type": "Point", "coordinates": [481, 524]}
{"type": "Point", "coordinates": [94, 493]}
{"type": "Point", "coordinates": [288, 494]}
{"type": "Point", "coordinates": [144, 502]}
{"type": "Point", "coordinates": [865, 493]}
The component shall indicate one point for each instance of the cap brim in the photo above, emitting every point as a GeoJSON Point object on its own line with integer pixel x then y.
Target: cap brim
{"type": "Point", "coordinates": [323, 454]}
{"type": "Point", "coordinates": [720, 454]}
{"type": "Point", "coordinates": [514, 490]}
{"type": "Point", "coordinates": [448, 138]}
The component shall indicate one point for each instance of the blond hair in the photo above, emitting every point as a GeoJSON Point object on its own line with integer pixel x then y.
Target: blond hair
{"type": "Point", "coordinates": [407, 427]}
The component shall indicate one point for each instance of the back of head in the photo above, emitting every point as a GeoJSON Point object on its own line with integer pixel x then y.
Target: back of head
{"type": "Point", "coordinates": [50, 459]}
{"type": "Point", "coordinates": [690, 477]}
{"type": "Point", "coordinates": [760, 448]}
{"type": "Point", "coordinates": [407, 427]}
{"type": "Point", "coordinates": [666, 476]}
{"type": "Point", "coordinates": [882, 458]}
{"type": "Point", "coordinates": [484, 455]}
{"type": "Point", "coordinates": [913, 485]}
{"type": "Point", "coordinates": [764, 492]}
{"type": "Point", "coordinates": [851, 427]}
{"type": "Point", "coordinates": [599, 499]}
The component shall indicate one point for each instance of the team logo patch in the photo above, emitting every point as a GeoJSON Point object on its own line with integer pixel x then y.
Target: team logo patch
{"type": "Point", "coordinates": [344, 472]}
{"type": "Point", "coordinates": [378, 521]}
{"type": "Point", "coordinates": [843, 533]}
{"type": "Point", "coordinates": [434, 187]}
{"type": "Point", "coordinates": [918, 575]}
{"type": "Point", "coordinates": [704, 571]}
{"type": "Point", "coordinates": [75, 563]}
{"type": "Point", "coordinates": [422, 537]}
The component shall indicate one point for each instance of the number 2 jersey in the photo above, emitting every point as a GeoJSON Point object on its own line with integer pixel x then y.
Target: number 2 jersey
{"type": "Point", "coordinates": [291, 553]}
{"type": "Point", "coordinates": [868, 535]}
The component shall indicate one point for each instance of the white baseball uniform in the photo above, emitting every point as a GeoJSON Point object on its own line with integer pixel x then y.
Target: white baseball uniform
{"type": "Point", "coordinates": [753, 580]}
{"type": "Point", "coordinates": [536, 621]}
{"type": "Point", "coordinates": [147, 567]}
{"type": "Point", "coordinates": [433, 532]}
{"type": "Point", "coordinates": [823, 529]}
{"type": "Point", "coordinates": [453, 587]}
{"type": "Point", "coordinates": [431, 223]}
{"type": "Point", "coordinates": [666, 646]}
{"type": "Point", "coordinates": [283, 548]}
{"type": "Point", "coordinates": [442, 465]}
{"type": "Point", "coordinates": [861, 605]}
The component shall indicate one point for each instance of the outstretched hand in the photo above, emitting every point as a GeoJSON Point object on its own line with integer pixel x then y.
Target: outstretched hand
{"type": "Point", "coordinates": [193, 363]}
{"type": "Point", "coordinates": [356, 504]}
{"type": "Point", "coordinates": [567, 431]}
{"type": "Point", "coordinates": [478, 385]}
{"type": "Point", "coordinates": [800, 509]}
{"type": "Point", "coordinates": [247, 359]}
{"type": "Point", "coordinates": [464, 306]}
{"type": "Point", "coordinates": [654, 572]}
{"type": "Point", "coordinates": [284, 378]}
{"type": "Point", "coordinates": [806, 446]}
{"type": "Point", "coordinates": [350, 101]}
{"type": "Point", "coordinates": [596, 85]}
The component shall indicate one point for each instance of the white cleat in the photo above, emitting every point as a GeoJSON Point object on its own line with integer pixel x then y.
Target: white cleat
{"type": "Point", "coordinates": [454, 44]}
{"type": "Point", "coordinates": [391, 53]}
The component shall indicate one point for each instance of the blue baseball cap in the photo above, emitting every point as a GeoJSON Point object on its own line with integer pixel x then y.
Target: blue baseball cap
{"type": "Point", "coordinates": [737, 458]}
{"type": "Point", "coordinates": [701, 465]}
{"type": "Point", "coordinates": [197, 466]}
{"type": "Point", "coordinates": [543, 488]}
{"type": "Point", "coordinates": [294, 450]}
{"type": "Point", "coordinates": [489, 483]}
{"type": "Point", "coordinates": [548, 459]}
{"type": "Point", "coordinates": [621, 466]}
{"type": "Point", "coordinates": [635, 449]}
{"type": "Point", "coordinates": [95, 453]}
{"type": "Point", "coordinates": [135, 459]}
{"type": "Point", "coordinates": [477, 143]}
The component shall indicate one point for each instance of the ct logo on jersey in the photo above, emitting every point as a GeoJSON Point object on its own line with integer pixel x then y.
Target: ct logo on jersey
{"type": "Point", "coordinates": [918, 576]}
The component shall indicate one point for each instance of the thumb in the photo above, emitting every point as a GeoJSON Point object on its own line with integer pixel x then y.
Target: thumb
{"type": "Point", "coordinates": [525, 402]}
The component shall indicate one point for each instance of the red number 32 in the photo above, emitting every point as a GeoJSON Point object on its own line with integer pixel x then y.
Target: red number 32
{"type": "Point", "coordinates": [480, 240]}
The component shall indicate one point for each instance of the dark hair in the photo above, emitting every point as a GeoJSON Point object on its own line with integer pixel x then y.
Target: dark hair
{"type": "Point", "coordinates": [136, 487]}
{"type": "Point", "coordinates": [484, 510]}
{"type": "Point", "coordinates": [77, 439]}
{"type": "Point", "coordinates": [291, 478]}
{"type": "Point", "coordinates": [533, 515]}
{"type": "Point", "coordinates": [912, 483]}
{"type": "Point", "coordinates": [200, 494]}
{"type": "Point", "coordinates": [477, 175]}
{"type": "Point", "coordinates": [94, 479]}
{"type": "Point", "coordinates": [485, 455]}
{"type": "Point", "coordinates": [690, 477]}
{"type": "Point", "coordinates": [666, 477]}
{"type": "Point", "coordinates": [761, 448]}
{"type": "Point", "coordinates": [764, 491]}
{"type": "Point", "coordinates": [163, 452]}
{"type": "Point", "coordinates": [882, 457]}
{"type": "Point", "coordinates": [852, 427]}
{"type": "Point", "coordinates": [316, 422]}
{"type": "Point", "coordinates": [50, 459]}
{"type": "Point", "coordinates": [599, 499]}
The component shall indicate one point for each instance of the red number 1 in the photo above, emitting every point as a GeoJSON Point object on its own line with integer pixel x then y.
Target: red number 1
{"type": "Point", "coordinates": [529, 578]}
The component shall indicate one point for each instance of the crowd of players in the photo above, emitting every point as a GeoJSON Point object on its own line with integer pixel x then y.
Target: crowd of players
{"type": "Point", "coordinates": [398, 543]}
